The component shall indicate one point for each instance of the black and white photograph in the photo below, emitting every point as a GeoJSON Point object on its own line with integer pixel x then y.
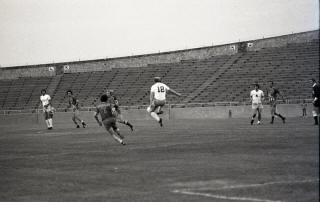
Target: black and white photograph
{"type": "Point", "coordinates": [159, 100]}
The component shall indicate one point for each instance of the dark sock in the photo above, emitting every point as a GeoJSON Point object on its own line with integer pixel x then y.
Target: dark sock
{"type": "Point", "coordinates": [316, 120]}
{"type": "Point", "coordinates": [279, 115]}
{"type": "Point", "coordinates": [129, 124]}
{"type": "Point", "coordinates": [272, 119]}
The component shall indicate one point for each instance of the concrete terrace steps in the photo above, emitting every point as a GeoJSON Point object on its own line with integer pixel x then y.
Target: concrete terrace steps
{"type": "Point", "coordinates": [214, 77]}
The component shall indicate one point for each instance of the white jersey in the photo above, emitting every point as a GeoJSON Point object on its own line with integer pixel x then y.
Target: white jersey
{"type": "Point", "coordinates": [45, 99]}
{"type": "Point", "coordinates": [159, 89]}
{"type": "Point", "coordinates": [256, 96]}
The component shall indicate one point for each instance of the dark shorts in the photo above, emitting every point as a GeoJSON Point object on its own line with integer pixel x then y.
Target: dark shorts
{"type": "Point", "coordinates": [47, 113]}
{"type": "Point", "coordinates": [109, 123]}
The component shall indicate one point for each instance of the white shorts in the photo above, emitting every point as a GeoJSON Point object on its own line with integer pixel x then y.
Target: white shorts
{"type": "Point", "coordinates": [257, 106]}
{"type": "Point", "coordinates": [155, 104]}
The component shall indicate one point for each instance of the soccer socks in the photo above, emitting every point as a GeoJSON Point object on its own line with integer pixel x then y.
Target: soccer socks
{"type": "Point", "coordinates": [259, 117]}
{"type": "Point", "coordinates": [316, 122]}
{"type": "Point", "coordinates": [129, 124]}
{"type": "Point", "coordinates": [116, 135]}
{"type": "Point", "coordinates": [282, 117]}
{"type": "Point", "coordinates": [83, 124]}
{"type": "Point", "coordinates": [272, 119]}
{"type": "Point", "coordinates": [50, 122]}
{"type": "Point", "coordinates": [155, 116]}
{"type": "Point", "coordinates": [252, 119]}
{"type": "Point", "coordinates": [126, 123]}
{"type": "Point", "coordinates": [47, 122]}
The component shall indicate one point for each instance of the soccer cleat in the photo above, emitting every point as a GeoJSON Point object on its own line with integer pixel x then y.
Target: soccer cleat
{"type": "Point", "coordinates": [84, 124]}
{"type": "Point", "coordinates": [123, 143]}
{"type": "Point", "coordinates": [284, 120]}
{"type": "Point", "coordinates": [258, 122]}
{"type": "Point", "coordinates": [160, 122]}
{"type": "Point", "coordinates": [49, 128]}
{"type": "Point", "coordinates": [77, 126]}
{"type": "Point", "coordinates": [251, 121]}
{"type": "Point", "coordinates": [160, 112]}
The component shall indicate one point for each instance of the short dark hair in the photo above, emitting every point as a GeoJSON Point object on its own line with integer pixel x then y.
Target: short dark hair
{"type": "Point", "coordinates": [157, 79]}
{"type": "Point", "coordinates": [257, 85]}
{"type": "Point", "coordinates": [43, 90]}
{"type": "Point", "coordinates": [70, 92]}
{"type": "Point", "coordinates": [104, 98]}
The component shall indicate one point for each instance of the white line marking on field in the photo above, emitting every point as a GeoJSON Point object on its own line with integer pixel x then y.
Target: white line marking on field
{"type": "Point", "coordinates": [223, 197]}
{"type": "Point", "coordinates": [265, 184]}
{"type": "Point", "coordinates": [189, 192]}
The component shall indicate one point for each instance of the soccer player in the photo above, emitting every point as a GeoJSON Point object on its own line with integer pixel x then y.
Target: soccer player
{"type": "Point", "coordinates": [108, 116]}
{"type": "Point", "coordinates": [47, 108]}
{"type": "Point", "coordinates": [273, 94]}
{"type": "Point", "coordinates": [304, 108]}
{"type": "Point", "coordinates": [158, 98]}
{"type": "Point", "coordinates": [74, 105]}
{"type": "Point", "coordinates": [256, 97]}
{"type": "Point", "coordinates": [315, 101]}
{"type": "Point", "coordinates": [112, 99]}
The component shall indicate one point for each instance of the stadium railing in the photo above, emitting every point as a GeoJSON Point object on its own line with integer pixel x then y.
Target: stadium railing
{"type": "Point", "coordinates": [169, 105]}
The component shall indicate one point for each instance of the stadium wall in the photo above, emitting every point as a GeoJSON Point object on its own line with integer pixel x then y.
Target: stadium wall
{"type": "Point", "coordinates": [218, 112]}
{"type": "Point", "coordinates": [157, 58]}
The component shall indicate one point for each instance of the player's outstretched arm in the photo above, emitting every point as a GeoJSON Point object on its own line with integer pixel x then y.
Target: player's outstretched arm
{"type": "Point", "coordinates": [174, 92]}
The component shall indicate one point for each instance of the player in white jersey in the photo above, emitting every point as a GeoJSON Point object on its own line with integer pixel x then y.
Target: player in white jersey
{"type": "Point", "coordinates": [256, 97]}
{"type": "Point", "coordinates": [48, 110]}
{"type": "Point", "coordinates": [158, 98]}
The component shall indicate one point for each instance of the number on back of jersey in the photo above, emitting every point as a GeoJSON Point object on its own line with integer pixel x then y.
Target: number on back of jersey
{"type": "Point", "coordinates": [161, 89]}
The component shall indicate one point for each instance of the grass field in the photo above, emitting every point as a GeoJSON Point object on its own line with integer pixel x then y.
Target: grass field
{"type": "Point", "coordinates": [186, 160]}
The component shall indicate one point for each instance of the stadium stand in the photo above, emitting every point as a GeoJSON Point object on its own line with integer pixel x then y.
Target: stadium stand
{"type": "Point", "coordinates": [226, 78]}
{"type": "Point", "coordinates": [289, 67]}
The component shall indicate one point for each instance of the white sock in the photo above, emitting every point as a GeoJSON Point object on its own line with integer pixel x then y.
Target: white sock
{"type": "Point", "coordinates": [47, 122]}
{"type": "Point", "coordinates": [50, 122]}
{"type": "Point", "coordinates": [117, 138]}
{"type": "Point", "coordinates": [155, 116]}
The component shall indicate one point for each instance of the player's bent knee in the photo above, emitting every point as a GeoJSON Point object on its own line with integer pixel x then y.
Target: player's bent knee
{"type": "Point", "coordinates": [314, 113]}
{"type": "Point", "coordinates": [149, 109]}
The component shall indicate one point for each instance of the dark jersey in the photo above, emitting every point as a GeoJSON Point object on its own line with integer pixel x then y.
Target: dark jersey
{"type": "Point", "coordinates": [113, 101]}
{"type": "Point", "coordinates": [105, 111]}
{"type": "Point", "coordinates": [273, 94]}
{"type": "Point", "coordinates": [316, 94]}
{"type": "Point", "coordinates": [73, 102]}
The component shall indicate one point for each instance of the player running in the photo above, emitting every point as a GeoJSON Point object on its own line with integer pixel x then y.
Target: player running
{"type": "Point", "coordinates": [315, 101]}
{"type": "Point", "coordinates": [158, 98]}
{"type": "Point", "coordinates": [108, 116]}
{"type": "Point", "coordinates": [256, 97]}
{"type": "Point", "coordinates": [74, 105]}
{"type": "Point", "coordinates": [112, 99]}
{"type": "Point", "coordinates": [273, 94]}
{"type": "Point", "coordinates": [48, 110]}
